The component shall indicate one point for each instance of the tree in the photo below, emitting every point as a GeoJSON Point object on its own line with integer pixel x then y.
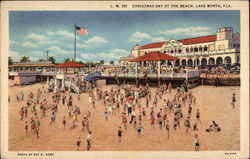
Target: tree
{"type": "Point", "coordinates": [41, 60]}
{"type": "Point", "coordinates": [25, 59]}
{"type": "Point", "coordinates": [101, 62]}
{"type": "Point", "coordinates": [111, 62]}
{"type": "Point", "coordinates": [68, 60]}
{"type": "Point", "coordinates": [52, 59]}
{"type": "Point", "coordinates": [10, 61]}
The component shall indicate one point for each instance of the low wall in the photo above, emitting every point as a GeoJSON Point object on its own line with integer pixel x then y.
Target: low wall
{"type": "Point", "coordinates": [221, 81]}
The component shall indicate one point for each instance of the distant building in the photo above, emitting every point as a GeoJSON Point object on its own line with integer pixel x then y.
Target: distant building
{"type": "Point", "coordinates": [31, 66]}
{"type": "Point", "coordinates": [222, 48]}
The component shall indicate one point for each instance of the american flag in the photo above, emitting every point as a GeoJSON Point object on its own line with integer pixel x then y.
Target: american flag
{"type": "Point", "coordinates": [81, 30]}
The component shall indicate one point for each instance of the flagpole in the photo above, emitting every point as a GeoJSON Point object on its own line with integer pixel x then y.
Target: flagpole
{"type": "Point", "coordinates": [75, 42]}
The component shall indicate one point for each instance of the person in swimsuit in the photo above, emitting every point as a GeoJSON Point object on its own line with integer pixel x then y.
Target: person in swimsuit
{"type": "Point", "coordinates": [89, 141]}
{"type": "Point", "coordinates": [139, 129]}
{"type": "Point", "coordinates": [120, 134]}
{"type": "Point", "coordinates": [198, 116]}
{"type": "Point", "coordinates": [78, 143]}
{"type": "Point", "coordinates": [187, 124]}
{"type": "Point", "coordinates": [64, 122]}
{"type": "Point", "coordinates": [167, 128]}
{"type": "Point", "coordinates": [197, 143]}
{"type": "Point", "coordinates": [26, 127]}
{"type": "Point", "coordinates": [233, 100]}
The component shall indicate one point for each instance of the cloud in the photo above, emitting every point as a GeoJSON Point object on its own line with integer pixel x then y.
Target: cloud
{"type": "Point", "coordinates": [191, 31]}
{"type": "Point", "coordinates": [37, 37]}
{"type": "Point", "coordinates": [58, 50]}
{"type": "Point", "coordinates": [64, 33]}
{"type": "Point", "coordinates": [96, 40]}
{"type": "Point", "coordinates": [14, 42]}
{"type": "Point", "coordinates": [29, 44]}
{"type": "Point", "coordinates": [114, 54]}
{"type": "Point", "coordinates": [24, 44]}
{"type": "Point", "coordinates": [139, 37]}
{"type": "Point", "coordinates": [158, 39]}
{"type": "Point", "coordinates": [38, 53]}
{"type": "Point", "coordinates": [15, 55]}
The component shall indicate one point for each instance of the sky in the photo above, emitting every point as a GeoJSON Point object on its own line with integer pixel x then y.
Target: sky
{"type": "Point", "coordinates": [112, 34]}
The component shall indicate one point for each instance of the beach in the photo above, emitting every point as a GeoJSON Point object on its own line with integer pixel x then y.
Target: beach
{"type": "Point", "coordinates": [214, 103]}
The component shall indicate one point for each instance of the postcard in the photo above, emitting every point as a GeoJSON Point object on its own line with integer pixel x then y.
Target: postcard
{"type": "Point", "coordinates": [124, 79]}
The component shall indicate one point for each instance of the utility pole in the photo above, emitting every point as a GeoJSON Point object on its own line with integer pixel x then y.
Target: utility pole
{"type": "Point", "coordinates": [47, 54]}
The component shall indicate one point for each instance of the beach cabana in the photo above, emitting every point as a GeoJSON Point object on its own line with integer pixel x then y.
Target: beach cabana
{"type": "Point", "coordinates": [69, 66]}
{"type": "Point", "coordinates": [155, 56]}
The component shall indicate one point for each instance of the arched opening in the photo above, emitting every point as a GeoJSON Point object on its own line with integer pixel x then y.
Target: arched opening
{"type": "Point", "coordinates": [219, 61]}
{"type": "Point", "coordinates": [205, 48]}
{"type": "Point", "coordinates": [203, 62]}
{"type": "Point", "coordinates": [190, 62]}
{"type": "Point", "coordinates": [177, 63]}
{"type": "Point", "coordinates": [228, 60]}
{"type": "Point", "coordinates": [187, 49]}
{"type": "Point", "coordinates": [200, 48]}
{"type": "Point", "coordinates": [191, 49]}
{"type": "Point", "coordinates": [211, 61]}
{"type": "Point", "coordinates": [179, 50]}
{"type": "Point", "coordinates": [196, 62]}
{"type": "Point", "coordinates": [183, 62]}
{"type": "Point", "coordinates": [196, 49]}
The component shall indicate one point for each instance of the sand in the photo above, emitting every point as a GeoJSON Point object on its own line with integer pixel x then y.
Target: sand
{"type": "Point", "coordinates": [213, 103]}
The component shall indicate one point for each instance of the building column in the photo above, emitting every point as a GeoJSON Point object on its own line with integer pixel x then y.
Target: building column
{"type": "Point", "coordinates": [55, 88]}
{"type": "Point", "coordinates": [159, 73]}
{"type": "Point", "coordinates": [47, 83]}
{"type": "Point", "coordinates": [63, 83]}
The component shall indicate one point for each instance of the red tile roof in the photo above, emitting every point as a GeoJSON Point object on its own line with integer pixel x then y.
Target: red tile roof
{"type": "Point", "coordinates": [32, 65]}
{"type": "Point", "coordinates": [70, 64]}
{"type": "Point", "coordinates": [153, 45]}
{"type": "Point", "coordinates": [203, 39]}
{"type": "Point", "coordinates": [154, 56]}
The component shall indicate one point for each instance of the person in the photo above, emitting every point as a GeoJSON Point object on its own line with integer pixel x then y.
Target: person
{"type": "Point", "coordinates": [78, 143]}
{"type": "Point", "coordinates": [167, 128]}
{"type": "Point", "coordinates": [195, 127]}
{"type": "Point", "coordinates": [37, 134]}
{"type": "Point", "coordinates": [132, 116]}
{"type": "Point", "coordinates": [187, 124]}
{"type": "Point", "coordinates": [233, 100]}
{"type": "Point", "coordinates": [124, 120]}
{"type": "Point", "coordinates": [155, 101]}
{"type": "Point", "coordinates": [53, 118]}
{"type": "Point", "coordinates": [139, 128]}
{"type": "Point", "coordinates": [198, 116]}
{"type": "Point", "coordinates": [38, 123]}
{"type": "Point", "coordinates": [197, 143]}
{"type": "Point", "coordinates": [26, 127]}
{"type": "Point", "coordinates": [106, 115]}
{"type": "Point", "coordinates": [152, 121]}
{"type": "Point", "coordinates": [189, 109]}
{"type": "Point", "coordinates": [89, 141]}
{"type": "Point", "coordinates": [64, 122]}
{"type": "Point", "coordinates": [120, 134]}
{"type": "Point", "coordinates": [144, 113]}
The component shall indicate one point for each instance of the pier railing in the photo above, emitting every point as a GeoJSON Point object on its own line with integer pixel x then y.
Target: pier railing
{"type": "Point", "coordinates": [189, 74]}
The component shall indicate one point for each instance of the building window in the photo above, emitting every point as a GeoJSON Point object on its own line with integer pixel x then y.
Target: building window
{"type": "Point", "coordinates": [191, 50]}
{"type": "Point", "coordinates": [200, 48]}
{"type": "Point", "coordinates": [187, 49]}
{"type": "Point", "coordinates": [172, 51]}
{"type": "Point", "coordinates": [179, 51]}
{"type": "Point", "coordinates": [205, 48]}
{"type": "Point", "coordinates": [196, 49]}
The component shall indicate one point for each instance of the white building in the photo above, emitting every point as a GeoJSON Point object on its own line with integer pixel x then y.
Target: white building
{"type": "Point", "coordinates": [222, 48]}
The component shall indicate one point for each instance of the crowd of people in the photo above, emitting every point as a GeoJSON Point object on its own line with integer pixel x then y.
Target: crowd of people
{"type": "Point", "coordinates": [121, 101]}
